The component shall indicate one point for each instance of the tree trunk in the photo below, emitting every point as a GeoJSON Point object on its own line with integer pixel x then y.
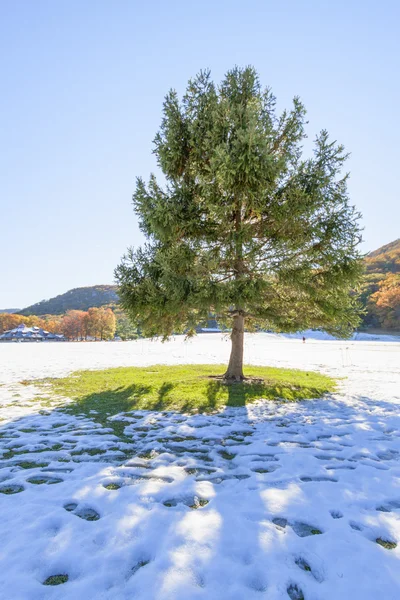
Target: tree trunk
{"type": "Point", "coordinates": [235, 367]}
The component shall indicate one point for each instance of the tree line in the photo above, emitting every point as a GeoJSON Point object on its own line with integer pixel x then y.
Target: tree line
{"type": "Point", "coordinates": [98, 323]}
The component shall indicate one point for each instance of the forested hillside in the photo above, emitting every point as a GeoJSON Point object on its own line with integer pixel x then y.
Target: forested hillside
{"type": "Point", "coordinates": [381, 288]}
{"type": "Point", "coordinates": [77, 299]}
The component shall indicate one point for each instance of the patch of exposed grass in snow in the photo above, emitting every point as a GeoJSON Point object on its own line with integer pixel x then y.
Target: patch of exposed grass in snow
{"type": "Point", "coordinates": [227, 455]}
{"type": "Point", "coordinates": [386, 544]}
{"type": "Point", "coordinates": [56, 580]}
{"type": "Point", "coordinates": [26, 464]}
{"type": "Point", "coordinates": [113, 486]}
{"type": "Point", "coordinates": [38, 480]}
{"type": "Point", "coordinates": [90, 451]}
{"type": "Point", "coordinates": [11, 489]}
{"type": "Point", "coordinates": [185, 388]}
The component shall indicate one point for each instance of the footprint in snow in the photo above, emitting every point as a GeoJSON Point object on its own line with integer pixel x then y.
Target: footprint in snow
{"type": "Point", "coordinates": [389, 506]}
{"type": "Point", "coordinates": [340, 467]}
{"type": "Point", "coordinates": [374, 465]}
{"type": "Point", "coordinates": [11, 489]}
{"type": "Point", "coordinates": [388, 455]}
{"type": "Point", "coordinates": [280, 522]}
{"type": "Point", "coordinates": [329, 457]}
{"type": "Point", "coordinates": [44, 480]}
{"type": "Point", "coordinates": [139, 565]}
{"type": "Point", "coordinates": [300, 529]}
{"type": "Point", "coordinates": [264, 457]}
{"type": "Point", "coordinates": [304, 530]}
{"type": "Point", "coordinates": [137, 478]}
{"type": "Point", "coordinates": [198, 471]}
{"type": "Point", "coordinates": [88, 514]}
{"type": "Point", "coordinates": [257, 583]}
{"type": "Point", "coordinates": [263, 470]}
{"type": "Point", "coordinates": [307, 479]}
{"type": "Point", "coordinates": [304, 566]}
{"type": "Point", "coordinates": [294, 592]}
{"type": "Point", "coordinates": [193, 502]}
{"type": "Point", "coordinates": [356, 526]}
{"type": "Point", "coordinates": [58, 469]}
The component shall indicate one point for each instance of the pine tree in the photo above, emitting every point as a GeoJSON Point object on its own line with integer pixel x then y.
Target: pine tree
{"type": "Point", "coordinates": [245, 227]}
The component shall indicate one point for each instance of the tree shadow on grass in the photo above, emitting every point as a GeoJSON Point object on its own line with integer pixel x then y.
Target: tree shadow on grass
{"type": "Point", "coordinates": [103, 396]}
{"type": "Point", "coordinates": [163, 392]}
{"type": "Point", "coordinates": [242, 393]}
{"type": "Point", "coordinates": [100, 406]}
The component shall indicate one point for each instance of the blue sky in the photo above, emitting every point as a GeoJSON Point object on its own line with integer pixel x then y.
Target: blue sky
{"type": "Point", "coordinates": [82, 85]}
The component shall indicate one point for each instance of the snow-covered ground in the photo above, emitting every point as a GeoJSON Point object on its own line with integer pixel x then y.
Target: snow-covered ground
{"type": "Point", "coordinates": [271, 501]}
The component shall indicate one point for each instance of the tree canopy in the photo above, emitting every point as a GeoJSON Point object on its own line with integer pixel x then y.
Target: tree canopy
{"type": "Point", "coordinates": [245, 226]}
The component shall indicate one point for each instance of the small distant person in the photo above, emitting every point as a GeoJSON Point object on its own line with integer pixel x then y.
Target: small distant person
{"type": "Point", "coordinates": [304, 340]}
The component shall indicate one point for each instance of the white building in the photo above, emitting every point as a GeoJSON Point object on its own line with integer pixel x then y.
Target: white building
{"type": "Point", "coordinates": [22, 333]}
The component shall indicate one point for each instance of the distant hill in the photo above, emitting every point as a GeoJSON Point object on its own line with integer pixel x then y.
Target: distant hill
{"type": "Point", "coordinates": [385, 259]}
{"type": "Point", "coordinates": [77, 299]}
{"type": "Point", "coordinates": [10, 311]}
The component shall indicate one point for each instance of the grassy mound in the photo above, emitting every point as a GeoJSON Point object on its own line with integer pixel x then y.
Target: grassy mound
{"type": "Point", "coordinates": [186, 388]}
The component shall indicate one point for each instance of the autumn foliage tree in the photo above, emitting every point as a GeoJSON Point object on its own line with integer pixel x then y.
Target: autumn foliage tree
{"type": "Point", "coordinates": [73, 324]}
{"type": "Point", "coordinates": [386, 302]}
{"type": "Point", "coordinates": [52, 323]}
{"type": "Point", "coordinates": [107, 323]}
{"type": "Point", "coordinates": [9, 321]}
{"type": "Point", "coordinates": [246, 227]}
{"type": "Point", "coordinates": [101, 323]}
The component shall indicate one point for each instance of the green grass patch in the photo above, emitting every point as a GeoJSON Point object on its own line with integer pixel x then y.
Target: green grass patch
{"type": "Point", "coordinates": [184, 388]}
{"type": "Point", "coordinates": [227, 455]}
{"type": "Point", "coordinates": [56, 580]}
{"type": "Point", "coordinates": [11, 489]}
{"type": "Point", "coordinates": [90, 451]}
{"type": "Point", "coordinates": [389, 545]}
{"type": "Point", "coordinates": [38, 480]}
{"type": "Point", "coordinates": [26, 464]}
{"type": "Point", "coordinates": [113, 486]}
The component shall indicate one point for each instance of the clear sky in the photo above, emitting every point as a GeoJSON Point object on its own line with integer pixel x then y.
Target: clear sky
{"type": "Point", "coordinates": [82, 85]}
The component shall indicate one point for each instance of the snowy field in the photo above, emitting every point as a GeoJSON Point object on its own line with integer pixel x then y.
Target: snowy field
{"type": "Point", "coordinates": [269, 501]}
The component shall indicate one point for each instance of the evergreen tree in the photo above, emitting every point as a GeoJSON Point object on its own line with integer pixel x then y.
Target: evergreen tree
{"type": "Point", "coordinates": [125, 329]}
{"type": "Point", "coordinates": [245, 226]}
